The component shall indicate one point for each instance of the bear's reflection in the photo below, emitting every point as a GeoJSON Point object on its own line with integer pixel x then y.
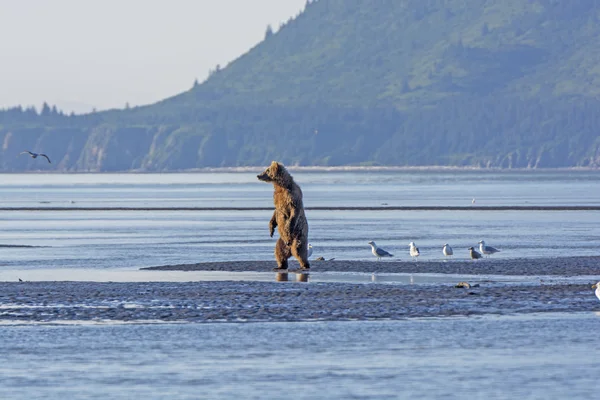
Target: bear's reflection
{"type": "Point", "coordinates": [284, 277]}
{"type": "Point", "coordinates": [281, 276]}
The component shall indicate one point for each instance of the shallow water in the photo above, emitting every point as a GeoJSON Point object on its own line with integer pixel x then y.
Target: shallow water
{"type": "Point", "coordinates": [531, 356]}
{"type": "Point", "coordinates": [121, 239]}
{"type": "Point", "coordinates": [321, 188]}
{"type": "Point", "coordinates": [132, 239]}
{"type": "Point", "coordinates": [134, 275]}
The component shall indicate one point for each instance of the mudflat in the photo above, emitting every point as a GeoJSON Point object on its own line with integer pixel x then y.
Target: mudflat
{"type": "Point", "coordinates": [259, 301]}
{"type": "Point", "coordinates": [564, 266]}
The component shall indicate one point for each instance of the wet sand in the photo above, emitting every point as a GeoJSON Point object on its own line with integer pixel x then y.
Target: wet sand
{"type": "Point", "coordinates": [571, 266]}
{"type": "Point", "coordinates": [278, 301]}
{"type": "Point", "coordinates": [248, 301]}
{"type": "Point", "coordinates": [292, 300]}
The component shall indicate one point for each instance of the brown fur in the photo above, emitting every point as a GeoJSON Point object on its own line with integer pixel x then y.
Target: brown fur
{"type": "Point", "coordinates": [288, 216]}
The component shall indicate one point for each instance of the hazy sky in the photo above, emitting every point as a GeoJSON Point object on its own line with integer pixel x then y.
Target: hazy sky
{"type": "Point", "coordinates": [81, 54]}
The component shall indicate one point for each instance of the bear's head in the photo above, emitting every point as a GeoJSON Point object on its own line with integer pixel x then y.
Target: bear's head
{"type": "Point", "coordinates": [275, 173]}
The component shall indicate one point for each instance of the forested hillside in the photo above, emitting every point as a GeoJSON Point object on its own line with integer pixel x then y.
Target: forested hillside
{"type": "Point", "coordinates": [488, 83]}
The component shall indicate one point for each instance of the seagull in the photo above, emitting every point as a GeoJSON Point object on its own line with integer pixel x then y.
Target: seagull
{"type": "Point", "coordinates": [487, 250]}
{"type": "Point", "coordinates": [377, 252]}
{"type": "Point", "coordinates": [309, 251]}
{"type": "Point", "coordinates": [36, 155]}
{"type": "Point", "coordinates": [597, 287]}
{"type": "Point", "coordinates": [447, 250]}
{"type": "Point", "coordinates": [474, 254]}
{"type": "Point", "coordinates": [414, 250]}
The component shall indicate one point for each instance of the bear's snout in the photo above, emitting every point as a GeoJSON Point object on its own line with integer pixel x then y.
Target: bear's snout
{"type": "Point", "coordinates": [263, 177]}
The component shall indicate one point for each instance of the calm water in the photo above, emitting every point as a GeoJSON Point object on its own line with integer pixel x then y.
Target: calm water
{"type": "Point", "coordinates": [132, 239]}
{"type": "Point", "coordinates": [526, 357]}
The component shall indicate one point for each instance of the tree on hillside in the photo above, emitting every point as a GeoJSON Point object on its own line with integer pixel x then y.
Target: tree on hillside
{"type": "Point", "coordinates": [31, 112]}
{"type": "Point", "coordinates": [269, 32]}
{"type": "Point", "coordinates": [211, 72]}
{"type": "Point", "coordinates": [45, 110]}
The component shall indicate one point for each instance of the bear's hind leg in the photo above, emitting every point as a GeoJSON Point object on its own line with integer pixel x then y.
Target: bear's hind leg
{"type": "Point", "coordinates": [282, 253]}
{"type": "Point", "coordinates": [300, 251]}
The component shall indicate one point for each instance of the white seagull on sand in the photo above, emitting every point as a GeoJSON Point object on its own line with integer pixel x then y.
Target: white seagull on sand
{"type": "Point", "coordinates": [487, 250]}
{"type": "Point", "coordinates": [309, 251]}
{"type": "Point", "coordinates": [597, 287]}
{"type": "Point", "coordinates": [447, 250]}
{"type": "Point", "coordinates": [414, 250]}
{"type": "Point", "coordinates": [377, 252]}
{"type": "Point", "coordinates": [474, 254]}
{"type": "Point", "coordinates": [36, 155]}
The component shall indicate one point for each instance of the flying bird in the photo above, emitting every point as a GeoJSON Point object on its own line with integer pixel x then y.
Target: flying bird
{"type": "Point", "coordinates": [474, 254]}
{"type": "Point", "coordinates": [377, 252]}
{"type": "Point", "coordinates": [597, 287]}
{"type": "Point", "coordinates": [487, 250]}
{"type": "Point", "coordinates": [447, 250]}
{"type": "Point", "coordinates": [36, 155]}
{"type": "Point", "coordinates": [414, 250]}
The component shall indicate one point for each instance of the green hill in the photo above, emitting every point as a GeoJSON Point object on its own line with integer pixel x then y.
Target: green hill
{"type": "Point", "coordinates": [509, 83]}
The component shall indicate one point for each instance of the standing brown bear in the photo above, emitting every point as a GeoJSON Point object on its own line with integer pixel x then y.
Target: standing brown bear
{"type": "Point", "coordinates": [288, 217]}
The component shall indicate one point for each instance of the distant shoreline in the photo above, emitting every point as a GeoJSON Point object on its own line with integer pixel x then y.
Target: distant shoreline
{"type": "Point", "coordinates": [349, 168]}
